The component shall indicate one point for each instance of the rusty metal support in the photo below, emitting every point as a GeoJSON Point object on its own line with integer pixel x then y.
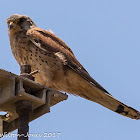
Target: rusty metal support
{"type": "Point", "coordinates": [24, 101]}
{"type": "Point", "coordinates": [24, 107]}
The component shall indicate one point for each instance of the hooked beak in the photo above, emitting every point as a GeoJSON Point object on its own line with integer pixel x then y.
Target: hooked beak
{"type": "Point", "coordinates": [11, 25]}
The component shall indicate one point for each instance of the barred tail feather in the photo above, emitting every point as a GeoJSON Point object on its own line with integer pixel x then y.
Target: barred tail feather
{"type": "Point", "coordinates": [111, 103]}
{"type": "Point", "coordinates": [81, 87]}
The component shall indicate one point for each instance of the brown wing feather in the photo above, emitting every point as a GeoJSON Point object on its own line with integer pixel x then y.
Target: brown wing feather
{"type": "Point", "coordinates": [52, 43]}
{"type": "Point", "coordinates": [52, 40]}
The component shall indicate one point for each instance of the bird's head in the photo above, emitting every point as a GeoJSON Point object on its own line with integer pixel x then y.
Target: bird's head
{"type": "Point", "coordinates": [19, 23]}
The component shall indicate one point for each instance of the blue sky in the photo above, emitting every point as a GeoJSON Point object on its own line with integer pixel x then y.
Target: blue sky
{"type": "Point", "coordinates": [104, 36]}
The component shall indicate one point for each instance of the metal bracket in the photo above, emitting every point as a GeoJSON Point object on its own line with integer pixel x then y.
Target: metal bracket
{"type": "Point", "coordinates": [14, 88]}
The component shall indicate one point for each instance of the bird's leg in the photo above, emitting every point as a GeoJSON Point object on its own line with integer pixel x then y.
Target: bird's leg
{"type": "Point", "coordinates": [34, 72]}
{"type": "Point", "coordinates": [25, 71]}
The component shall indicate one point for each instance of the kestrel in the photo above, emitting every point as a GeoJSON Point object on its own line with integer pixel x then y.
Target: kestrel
{"type": "Point", "coordinates": [59, 68]}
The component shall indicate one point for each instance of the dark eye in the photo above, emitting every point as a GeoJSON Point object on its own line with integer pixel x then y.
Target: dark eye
{"type": "Point", "coordinates": [21, 20]}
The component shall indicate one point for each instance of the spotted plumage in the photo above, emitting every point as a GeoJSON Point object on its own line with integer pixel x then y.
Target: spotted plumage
{"type": "Point", "coordinates": [59, 68]}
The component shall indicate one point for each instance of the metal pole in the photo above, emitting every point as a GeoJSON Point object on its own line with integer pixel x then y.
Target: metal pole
{"type": "Point", "coordinates": [24, 107]}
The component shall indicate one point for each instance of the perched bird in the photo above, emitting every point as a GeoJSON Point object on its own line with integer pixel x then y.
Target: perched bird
{"type": "Point", "coordinates": [59, 68]}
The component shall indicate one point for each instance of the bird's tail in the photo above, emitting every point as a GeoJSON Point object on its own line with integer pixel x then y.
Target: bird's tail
{"type": "Point", "coordinates": [80, 86]}
{"type": "Point", "coordinates": [109, 102]}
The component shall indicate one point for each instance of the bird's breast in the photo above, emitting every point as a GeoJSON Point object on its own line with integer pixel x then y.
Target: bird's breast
{"type": "Point", "coordinates": [50, 66]}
